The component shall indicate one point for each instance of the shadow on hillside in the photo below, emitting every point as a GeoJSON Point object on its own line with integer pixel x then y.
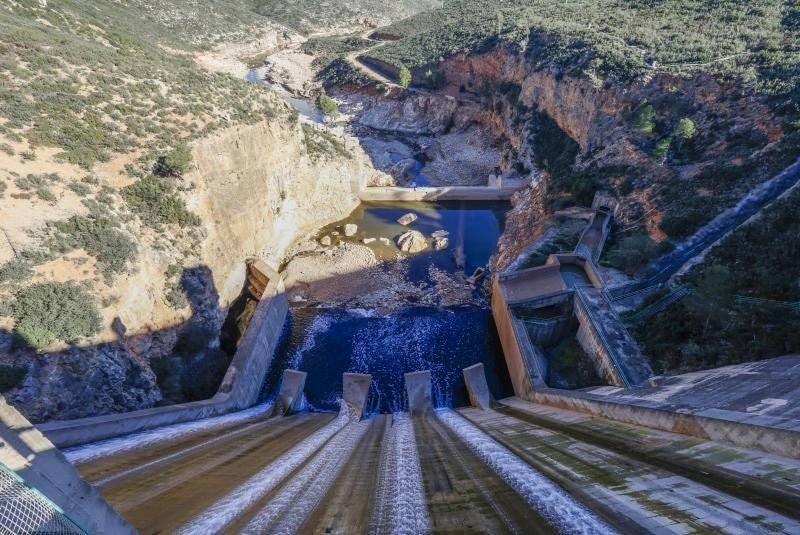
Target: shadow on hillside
{"type": "Point", "coordinates": [119, 376]}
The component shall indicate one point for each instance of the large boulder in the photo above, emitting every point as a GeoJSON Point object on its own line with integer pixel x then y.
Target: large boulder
{"type": "Point", "coordinates": [350, 229]}
{"type": "Point", "coordinates": [407, 219]}
{"type": "Point", "coordinates": [440, 242]}
{"type": "Point", "coordinates": [412, 241]}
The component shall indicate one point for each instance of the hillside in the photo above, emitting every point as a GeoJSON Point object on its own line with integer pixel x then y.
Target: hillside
{"type": "Point", "coordinates": [116, 236]}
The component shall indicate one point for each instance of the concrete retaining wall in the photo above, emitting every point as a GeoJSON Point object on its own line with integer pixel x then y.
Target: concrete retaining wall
{"type": "Point", "coordinates": [34, 458]}
{"type": "Point", "coordinates": [712, 424]}
{"type": "Point", "coordinates": [240, 388]}
{"type": "Point", "coordinates": [522, 368]}
{"type": "Point", "coordinates": [593, 345]}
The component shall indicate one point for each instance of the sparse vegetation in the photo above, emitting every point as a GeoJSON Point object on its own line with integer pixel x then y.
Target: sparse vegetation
{"type": "Point", "coordinates": [321, 143]}
{"type": "Point", "coordinates": [99, 236]}
{"type": "Point", "coordinates": [46, 312]}
{"type": "Point", "coordinates": [175, 163]}
{"type": "Point", "coordinates": [643, 118]}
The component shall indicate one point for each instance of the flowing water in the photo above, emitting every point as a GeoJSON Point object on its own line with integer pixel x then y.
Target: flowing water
{"type": "Point", "coordinates": [326, 342]}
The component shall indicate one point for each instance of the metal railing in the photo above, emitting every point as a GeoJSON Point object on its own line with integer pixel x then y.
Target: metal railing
{"type": "Point", "coordinates": [23, 509]}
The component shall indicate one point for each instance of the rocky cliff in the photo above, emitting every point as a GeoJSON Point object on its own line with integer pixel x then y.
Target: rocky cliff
{"type": "Point", "coordinates": [256, 189]}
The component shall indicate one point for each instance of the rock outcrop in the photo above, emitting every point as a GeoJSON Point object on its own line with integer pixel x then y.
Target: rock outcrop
{"type": "Point", "coordinates": [412, 241]}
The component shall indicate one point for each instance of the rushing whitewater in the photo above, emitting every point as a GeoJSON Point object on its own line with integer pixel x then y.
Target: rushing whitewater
{"type": "Point", "coordinates": [286, 512]}
{"type": "Point", "coordinates": [562, 512]}
{"type": "Point", "coordinates": [400, 505]}
{"type": "Point", "coordinates": [160, 435]}
{"type": "Point", "coordinates": [223, 511]}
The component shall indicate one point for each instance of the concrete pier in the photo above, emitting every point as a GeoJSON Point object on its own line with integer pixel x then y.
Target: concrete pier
{"type": "Point", "coordinates": [291, 394]}
{"type": "Point", "coordinates": [418, 389]}
{"type": "Point", "coordinates": [478, 390]}
{"type": "Point", "coordinates": [355, 391]}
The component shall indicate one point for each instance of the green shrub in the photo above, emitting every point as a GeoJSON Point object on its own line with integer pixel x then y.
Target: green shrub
{"type": "Point", "coordinates": [685, 130]}
{"type": "Point", "coordinates": [80, 189]}
{"type": "Point", "coordinates": [11, 377]}
{"type": "Point", "coordinates": [327, 105]}
{"type": "Point", "coordinates": [39, 184]}
{"type": "Point", "coordinates": [28, 155]}
{"type": "Point", "coordinates": [15, 271]}
{"type": "Point", "coordinates": [175, 163]}
{"type": "Point", "coordinates": [154, 200]}
{"type": "Point", "coordinates": [98, 236]}
{"type": "Point", "coordinates": [8, 149]}
{"type": "Point", "coordinates": [49, 311]}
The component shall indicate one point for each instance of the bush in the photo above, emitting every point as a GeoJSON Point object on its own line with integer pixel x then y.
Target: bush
{"type": "Point", "coordinates": [49, 311]}
{"type": "Point", "coordinates": [327, 105]}
{"type": "Point", "coordinates": [155, 201]}
{"type": "Point", "coordinates": [11, 377]}
{"type": "Point", "coordinates": [99, 237]}
{"type": "Point", "coordinates": [15, 271]}
{"type": "Point", "coordinates": [174, 163]}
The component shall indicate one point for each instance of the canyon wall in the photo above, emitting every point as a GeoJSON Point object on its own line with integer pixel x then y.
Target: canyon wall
{"type": "Point", "coordinates": [256, 189]}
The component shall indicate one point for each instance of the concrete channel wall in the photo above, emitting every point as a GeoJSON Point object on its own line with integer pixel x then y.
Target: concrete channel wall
{"type": "Point", "coordinates": [35, 459]}
{"type": "Point", "coordinates": [239, 389]}
{"type": "Point", "coordinates": [592, 342]}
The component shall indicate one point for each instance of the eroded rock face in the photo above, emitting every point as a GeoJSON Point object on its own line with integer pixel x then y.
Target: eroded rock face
{"type": "Point", "coordinates": [412, 241]}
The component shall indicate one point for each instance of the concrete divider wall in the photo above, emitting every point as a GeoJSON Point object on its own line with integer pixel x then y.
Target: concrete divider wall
{"type": "Point", "coordinates": [27, 452]}
{"type": "Point", "coordinates": [419, 392]}
{"type": "Point", "coordinates": [522, 371]}
{"type": "Point", "coordinates": [240, 388]}
{"type": "Point", "coordinates": [593, 345]}
{"type": "Point", "coordinates": [355, 391]}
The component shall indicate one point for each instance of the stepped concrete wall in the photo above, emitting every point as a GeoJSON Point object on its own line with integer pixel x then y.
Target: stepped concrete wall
{"type": "Point", "coordinates": [27, 452]}
{"type": "Point", "coordinates": [240, 388]}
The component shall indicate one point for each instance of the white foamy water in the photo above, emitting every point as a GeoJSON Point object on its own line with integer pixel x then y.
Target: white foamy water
{"type": "Point", "coordinates": [553, 504]}
{"type": "Point", "coordinates": [159, 435]}
{"type": "Point", "coordinates": [319, 325]}
{"type": "Point", "coordinates": [287, 511]}
{"type": "Point", "coordinates": [400, 504]}
{"type": "Point", "coordinates": [225, 510]}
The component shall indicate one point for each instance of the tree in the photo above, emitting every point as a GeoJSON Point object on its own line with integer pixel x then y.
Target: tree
{"type": "Point", "coordinates": [685, 130]}
{"type": "Point", "coordinates": [404, 77]}
{"type": "Point", "coordinates": [644, 118]}
{"type": "Point", "coordinates": [176, 162]}
{"type": "Point", "coordinates": [327, 105]}
{"type": "Point", "coordinates": [661, 150]}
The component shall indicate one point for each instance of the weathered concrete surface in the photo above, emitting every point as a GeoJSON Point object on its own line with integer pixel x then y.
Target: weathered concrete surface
{"type": "Point", "coordinates": [478, 390]}
{"type": "Point", "coordinates": [239, 389]}
{"type": "Point", "coordinates": [355, 391]}
{"type": "Point", "coordinates": [291, 394]}
{"type": "Point", "coordinates": [445, 193]}
{"type": "Point", "coordinates": [419, 392]}
{"type": "Point", "coordinates": [628, 492]}
{"type": "Point", "coordinates": [26, 451]}
{"type": "Point", "coordinates": [178, 481]}
{"type": "Point", "coordinates": [527, 284]}
{"type": "Point", "coordinates": [604, 338]}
